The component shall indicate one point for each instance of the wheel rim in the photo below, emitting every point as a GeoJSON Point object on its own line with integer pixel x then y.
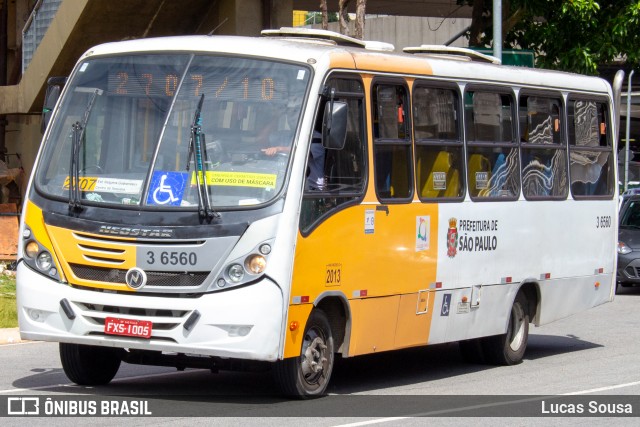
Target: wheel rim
{"type": "Point", "coordinates": [517, 327]}
{"type": "Point", "coordinates": [314, 357]}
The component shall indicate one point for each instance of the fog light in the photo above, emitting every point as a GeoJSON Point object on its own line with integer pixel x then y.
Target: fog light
{"type": "Point", "coordinates": [265, 249]}
{"type": "Point", "coordinates": [31, 249]}
{"type": "Point", "coordinates": [244, 331]}
{"type": "Point", "coordinates": [236, 273]}
{"type": "Point", "coordinates": [256, 264]}
{"type": "Point", "coordinates": [44, 261]}
{"type": "Point", "coordinates": [36, 315]}
{"type": "Point", "coordinates": [222, 283]}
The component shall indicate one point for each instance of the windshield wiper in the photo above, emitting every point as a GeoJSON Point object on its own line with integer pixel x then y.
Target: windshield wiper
{"type": "Point", "coordinates": [78, 129]}
{"type": "Point", "coordinates": [197, 147]}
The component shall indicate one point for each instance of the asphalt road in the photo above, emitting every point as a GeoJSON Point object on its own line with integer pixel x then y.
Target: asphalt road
{"type": "Point", "coordinates": [591, 355]}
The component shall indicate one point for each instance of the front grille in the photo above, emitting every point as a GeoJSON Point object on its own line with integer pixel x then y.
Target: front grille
{"type": "Point", "coordinates": [154, 278]}
{"type": "Point", "coordinates": [134, 311]}
{"type": "Point", "coordinates": [162, 319]}
{"type": "Point", "coordinates": [632, 272]}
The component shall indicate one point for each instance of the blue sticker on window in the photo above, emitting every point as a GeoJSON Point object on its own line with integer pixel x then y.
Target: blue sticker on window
{"type": "Point", "coordinates": [167, 188]}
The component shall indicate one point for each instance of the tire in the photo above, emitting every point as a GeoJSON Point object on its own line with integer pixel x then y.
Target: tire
{"type": "Point", "coordinates": [90, 365]}
{"type": "Point", "coordinates": [509, 348]}
{"type": "Point", "coordinates": [471, 351]}
{"type": "Point", "coordinates": [307, 375]}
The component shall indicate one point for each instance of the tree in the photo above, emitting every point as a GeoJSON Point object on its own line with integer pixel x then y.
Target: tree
{"type": "Point", "coordinates": [325, 15]}
{"type": "Point", "coordinates": [570, 35]}
{"type": "Point", "coordinates": [344, 17]}
{"type": "Point", "coordinates": [360, 12]}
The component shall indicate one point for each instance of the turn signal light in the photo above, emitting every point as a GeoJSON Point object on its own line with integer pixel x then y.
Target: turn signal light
{"type": "Point", "coordinates": [32, 249]}
{"type": "Point", "coordinates": [255, 264]}
{"type": "Point", "coordinates": [293, 325]}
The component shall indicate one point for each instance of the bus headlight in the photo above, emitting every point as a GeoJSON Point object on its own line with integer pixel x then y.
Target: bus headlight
{"type": "Point", "coordinates": [31, 249]}
{"type": "Point", "coordinates": [44, 261]}
{"type": "Point", "coordinates": [255, 264]}
{"type": "Point", "coordinates": [37, 256]}
{"type": "Point", "coordinates": [236, 273]}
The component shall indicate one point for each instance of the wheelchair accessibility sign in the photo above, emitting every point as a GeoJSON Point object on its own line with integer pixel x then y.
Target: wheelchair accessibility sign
{"type": "Point", "coordinates": [167, 188]}
{"type": "Point", "coordinates": [446, 305]}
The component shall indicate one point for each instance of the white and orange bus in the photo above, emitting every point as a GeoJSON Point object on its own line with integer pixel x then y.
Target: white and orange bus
{"type": "Point", "coordinates": [217, 202]}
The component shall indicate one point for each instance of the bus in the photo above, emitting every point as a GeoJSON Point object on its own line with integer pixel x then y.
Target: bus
{"type": "Point", "coordinates": [277, 202]}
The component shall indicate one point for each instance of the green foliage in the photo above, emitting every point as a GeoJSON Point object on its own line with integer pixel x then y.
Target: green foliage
{"type": "Point", "coordinates": [316, 17]}
{"type": "Point", "coordinates": [573, 35]}
{"type": "Point", "coordinates": [8, 310]}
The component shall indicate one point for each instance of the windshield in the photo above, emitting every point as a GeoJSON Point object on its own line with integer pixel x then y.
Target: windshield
{"type": "Point", "coordinates": [149, 123]}
{"type": "Point", "coordinates": [631, 217]}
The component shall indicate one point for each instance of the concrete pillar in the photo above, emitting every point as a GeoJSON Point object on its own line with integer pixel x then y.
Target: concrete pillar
{"type": "Point", "coordinates": [249, 17]}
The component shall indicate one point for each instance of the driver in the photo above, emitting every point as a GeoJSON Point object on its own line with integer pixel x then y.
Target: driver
{"type": "Point", "coordinates": [281, 129]}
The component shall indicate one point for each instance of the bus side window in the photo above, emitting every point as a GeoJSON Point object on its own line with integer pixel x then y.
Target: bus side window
{"type": "Point", "coordinates": [336, 178]}
{"type": "Point", "coordinates": [493, 155]}
{"type": "Point", "coordinates": [439, 148]}
{"type": "Point", "coordinates": [392, 142]}
{"type": "Point", "coordinates": [591, 157]}
{"type": "Point", "coordinates": [544, 152]}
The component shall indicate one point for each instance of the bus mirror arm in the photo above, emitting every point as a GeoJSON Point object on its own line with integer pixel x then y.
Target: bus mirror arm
{"type": "Point", "coordinates": [334, 124]}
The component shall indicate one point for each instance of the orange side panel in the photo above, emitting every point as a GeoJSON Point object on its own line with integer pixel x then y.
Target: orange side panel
{"type": "Point", "coordinates": [374, 324]}
{"type": "Point", "coordinates": [341, 60]}
{"type": "Point", "coordinates": [293, 339]}
{"type": "Point", "coordinates": [413, 329]}
{"type": "Point", "coordinates": [373, 61]}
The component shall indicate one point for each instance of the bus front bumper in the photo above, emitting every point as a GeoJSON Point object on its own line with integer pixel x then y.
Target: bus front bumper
{"type": "Point", "coordinates": [243, 323]}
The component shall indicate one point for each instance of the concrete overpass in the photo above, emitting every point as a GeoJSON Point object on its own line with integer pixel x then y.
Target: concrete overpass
{"type": "Point", "coordinates": [79, 24]}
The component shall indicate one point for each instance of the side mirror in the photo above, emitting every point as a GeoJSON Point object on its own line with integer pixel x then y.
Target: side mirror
{"type": "Point", "coordinates": [54, 87]}
{"type": "Point", "coordinates": [334, 125]}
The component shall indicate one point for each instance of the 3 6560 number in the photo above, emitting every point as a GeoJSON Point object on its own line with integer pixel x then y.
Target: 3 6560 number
{"type": "Point", "coordinates": [172, 258]}
{"type": "Point", "coordinates": [603, 221]}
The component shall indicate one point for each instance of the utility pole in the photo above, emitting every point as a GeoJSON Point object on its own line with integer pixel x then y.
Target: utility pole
{"type": "Point", "coordinates": [497, 29]}
{"type": "Point", "coordinates": [3, 73]}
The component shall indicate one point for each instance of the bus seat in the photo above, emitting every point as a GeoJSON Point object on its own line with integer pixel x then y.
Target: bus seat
{"type": "Point", "coordinates": [399, 178]}
{"type": "Point", "coordinates": [477, 163]}
{"type": "Point", "coordinates": [441, 163]}
{"type": "Point", "coordinates": [453, 183]}
{"type": "Point", "coordinates": [498, 175]}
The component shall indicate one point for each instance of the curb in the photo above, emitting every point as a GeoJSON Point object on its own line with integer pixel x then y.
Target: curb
{"type": "Point", "coordinates": [10, 336]}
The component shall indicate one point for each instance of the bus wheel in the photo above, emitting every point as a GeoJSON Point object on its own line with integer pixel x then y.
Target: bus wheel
{"type": "Point", "coordinates": [308, 375]}
{"type": "Point", "coordinates": [508, 349]}
{"type": "Point", "coordinates": [89, 365]}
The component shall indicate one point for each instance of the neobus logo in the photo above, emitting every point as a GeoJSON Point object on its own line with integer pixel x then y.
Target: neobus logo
{"type": "Point", "coordinates": [135, 278]}
{"type": "Point", "coordinates": [136, 232]}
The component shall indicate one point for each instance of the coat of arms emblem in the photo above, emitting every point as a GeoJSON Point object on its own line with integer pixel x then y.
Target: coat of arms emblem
{"type": "Point", "coordinates": [452, 238]}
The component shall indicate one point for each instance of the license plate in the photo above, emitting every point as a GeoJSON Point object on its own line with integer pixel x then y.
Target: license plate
{"type": "Point", "coordinates": [127, 327]}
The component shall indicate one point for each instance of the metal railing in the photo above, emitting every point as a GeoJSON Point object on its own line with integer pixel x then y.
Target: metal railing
{"type": "Point", "coordinates": [36, 27]}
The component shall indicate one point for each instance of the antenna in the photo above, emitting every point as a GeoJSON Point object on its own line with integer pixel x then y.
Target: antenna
{"type": "Point", "coordinates": [219, 25]}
